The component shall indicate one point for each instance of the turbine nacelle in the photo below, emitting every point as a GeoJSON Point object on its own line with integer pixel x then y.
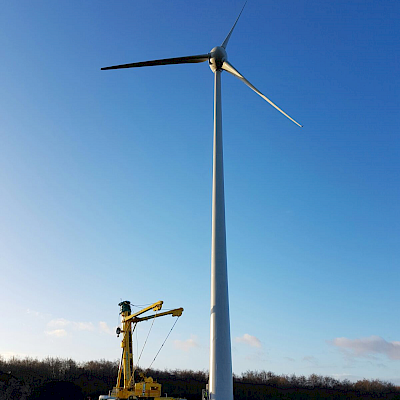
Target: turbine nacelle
{"type": "Point", "coordinates": [217, 58]}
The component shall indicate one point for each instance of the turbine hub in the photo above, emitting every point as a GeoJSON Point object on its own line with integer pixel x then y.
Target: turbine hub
{"type": "Point", "coordinates": [217, 57]}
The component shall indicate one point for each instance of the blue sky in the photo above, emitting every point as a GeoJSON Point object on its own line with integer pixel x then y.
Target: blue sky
{"type": "Point", "coordinates": [106, 181]}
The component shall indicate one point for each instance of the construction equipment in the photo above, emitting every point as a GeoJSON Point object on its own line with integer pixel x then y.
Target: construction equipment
{"type": "Point", "coordinates": [145, 388]}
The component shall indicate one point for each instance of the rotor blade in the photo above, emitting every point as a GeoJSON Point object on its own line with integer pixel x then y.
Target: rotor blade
{"type": "Point", "coordinates": [233, 27]}
{"type": "Point", "coordinates": [165, 61]}
{"type": "Point", "coordinates": [230, 68]}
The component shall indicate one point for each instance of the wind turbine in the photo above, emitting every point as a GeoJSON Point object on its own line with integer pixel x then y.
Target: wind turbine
{"type": "Point", "coordinates": [220, 374]}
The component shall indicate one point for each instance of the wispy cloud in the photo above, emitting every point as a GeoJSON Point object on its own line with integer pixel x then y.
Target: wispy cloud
{"type": "Point", "coordinates": [249, 339]}
{"type": "Point", "coordinates": [310, 359]}
{"type": "Point", "coordinates": [83, 326]}
{"type": "Point", "coordinates": [343, 376]}
{"type": "Point", "coordinates": [58, 323]}
{"type": "Point", "coordinates": [56, 333]}
{"type": "Point", "coordinates": [256, 356]}
{"type": "Point", "coordinates": [62, 323]}
{"type": "Point", "coordinates": [105, 328]}
{"type": "Point", "coordinates": [365, 347]}
{"type": "Point", "coordinates": [187, 344]}
{"type": "Point", "coordinates": [62, 327]}
{"type": "Point", "coordinates": [36, 314]}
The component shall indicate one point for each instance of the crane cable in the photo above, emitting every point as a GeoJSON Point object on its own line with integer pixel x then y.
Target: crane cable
{"type": "Point", "coordinates": [158, 352]}
{"type": "Point", "coordinates": [148, 334]}
{"type": "Point", "coordinates": [137, 341]}
{"type": "Point", "coordinates": [133, 366]}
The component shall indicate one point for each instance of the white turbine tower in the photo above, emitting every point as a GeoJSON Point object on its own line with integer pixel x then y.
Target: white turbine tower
{"type": "Point", "coordinates": [220, 375]}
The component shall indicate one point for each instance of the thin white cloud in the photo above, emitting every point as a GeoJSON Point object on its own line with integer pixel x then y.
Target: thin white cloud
{"type": "Point", "coordinates": [365, 347]}
{"type": "Point", "coordinates": [249, 339]}
{"type": "Point", "coordinates": [62, 323]}
{"type": "Point", "coordinates": [83, 326]}
{"type": "Point", "coordinates": [343, 376]}
{"type": "Point", "coordinates": [56, 333]}
{"type": "Point", "coordinates": [60, 327]}
{"type": "Point", "coordinates": [105, 328]}
{"type": "Point", "coordinates": [187, 344]}
{"type": "Point", "coordinates": [58, 323]}
{"type": "Point", "coordinates": [35, 313]}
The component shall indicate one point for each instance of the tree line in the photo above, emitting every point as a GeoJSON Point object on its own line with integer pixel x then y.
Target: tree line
{"type": "Point", "coordinates": [56, 379]}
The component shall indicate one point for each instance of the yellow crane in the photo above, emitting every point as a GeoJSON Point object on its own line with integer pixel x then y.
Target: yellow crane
{"type": "Point", "coordinates": [127, 388]}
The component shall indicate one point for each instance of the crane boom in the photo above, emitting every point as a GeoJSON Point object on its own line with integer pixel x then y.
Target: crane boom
{"type": "Point", "coordinates": [155, 307]}
{"type": "Point", "coordinates": [177, 312]}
